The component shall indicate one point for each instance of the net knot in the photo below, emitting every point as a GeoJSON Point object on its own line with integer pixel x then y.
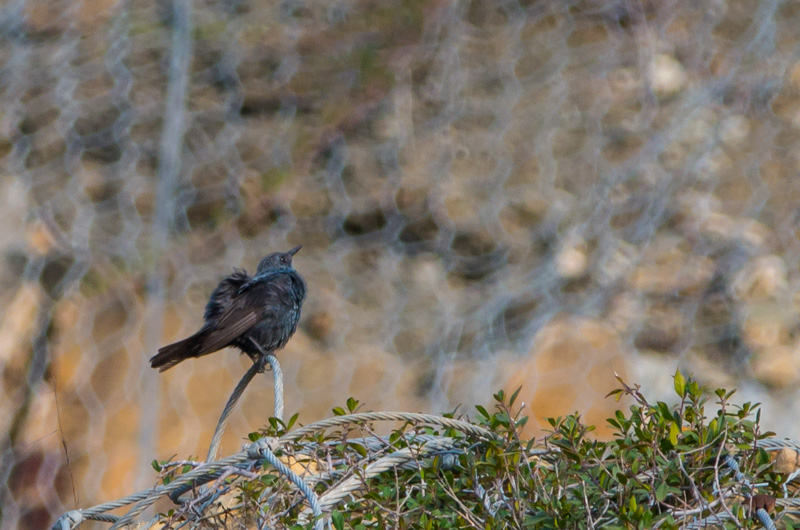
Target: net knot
{"type": "Point", "coordinates": [69, 520]}
{"type": "Point", "coordinates": [256, 449]}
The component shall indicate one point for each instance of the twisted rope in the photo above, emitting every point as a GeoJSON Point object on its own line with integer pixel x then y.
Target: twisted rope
{"type": "Point", "coordinates": [432, 419]}
{"type": "Point", "coordinates": [69, 520]}
{"type": "Point", "coordinates": [771, 444]}
{"type": "Point", "coordinates": [277, 377]}
{"type": "Point", "coordinates": [372, 445]}
{"type": "Point", "coordinates": [212, 470]}
{"type": "Point", "coordinates": [261, 449]}
{"type": "Point", "coordinates": [761, 513]}
{"type": "Point", "coordinates": [258, 366]}
{"type": "Point", "coordinates": [226, 412]}
{"type": "Point", "coordinates": [396, 459]}
{"type": "Point", "coordinates": [188, 481]}
{"type": "Point", "coordinates": [138, 508]}
{"type": "Point", "coordinates": [765, 519]}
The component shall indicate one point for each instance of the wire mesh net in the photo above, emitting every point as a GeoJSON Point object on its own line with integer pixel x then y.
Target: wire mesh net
{"type": "Point", "coordinates": [488, 195]}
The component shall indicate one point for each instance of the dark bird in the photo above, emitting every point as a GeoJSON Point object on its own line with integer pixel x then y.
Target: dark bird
{"type": "Point", "coordinates": [242, 309]}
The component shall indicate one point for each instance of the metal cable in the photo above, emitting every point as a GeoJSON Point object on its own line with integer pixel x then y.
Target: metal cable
{"type": "Point", "coordinates": [450, 423]}
{"type": "Point", "coordinates": [351, 484]}
{"type": "Point", "coordinates": [261, 448]}
{"type": "Point", "coordinates": [277, 376]}
{"type": "Point", "coordinates": [226, 412]}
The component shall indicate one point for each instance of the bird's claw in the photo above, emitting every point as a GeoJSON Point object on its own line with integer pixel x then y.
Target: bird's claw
{"type": "Point", "coordinates": [261, 363]}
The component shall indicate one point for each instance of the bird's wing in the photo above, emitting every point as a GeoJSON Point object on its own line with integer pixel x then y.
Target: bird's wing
{"type": "Point", "coordinates": [260, 300]}
{"type": "Point", "coordinates": [227, 289]}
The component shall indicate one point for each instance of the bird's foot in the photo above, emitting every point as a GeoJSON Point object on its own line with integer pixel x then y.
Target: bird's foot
{"type": "Point", "coordinates": [261, 363]}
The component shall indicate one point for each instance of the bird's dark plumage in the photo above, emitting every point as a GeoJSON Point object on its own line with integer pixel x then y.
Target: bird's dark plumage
{"type": "Point", "coordinates": [264, 308]}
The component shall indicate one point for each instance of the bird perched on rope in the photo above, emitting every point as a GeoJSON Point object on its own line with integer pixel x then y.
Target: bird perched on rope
{"type": "Point", "coordinates": [256, 314]}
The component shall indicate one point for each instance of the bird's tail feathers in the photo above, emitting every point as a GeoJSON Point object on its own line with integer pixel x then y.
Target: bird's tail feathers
{"type": "Point", "coordinates": [171, 354]}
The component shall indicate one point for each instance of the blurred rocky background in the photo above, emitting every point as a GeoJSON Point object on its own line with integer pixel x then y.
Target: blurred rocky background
{"type": "Point", "coordinates": [488, 195]}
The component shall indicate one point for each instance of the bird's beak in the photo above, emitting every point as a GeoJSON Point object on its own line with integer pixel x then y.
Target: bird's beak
{"type": "Point", "coordinates": [295, 250]}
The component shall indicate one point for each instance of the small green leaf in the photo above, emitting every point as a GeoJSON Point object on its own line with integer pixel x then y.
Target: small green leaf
{"type": "Point", "coordinates": [661, 492]}
{"type": "Point", "coordinates": [680, 383]}
{"type": "Point", "coordinates": [337, 520]}
{"type": "Point", "coordinates": [292, 421]}
{"type": "Point", "coordinates": [358, 448]}
{"type": "Point", "coordinates": [674, 431]}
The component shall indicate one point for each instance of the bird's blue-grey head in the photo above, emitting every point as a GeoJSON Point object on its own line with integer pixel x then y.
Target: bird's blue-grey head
{"type": "Point", "coordinates": [277, 261]}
